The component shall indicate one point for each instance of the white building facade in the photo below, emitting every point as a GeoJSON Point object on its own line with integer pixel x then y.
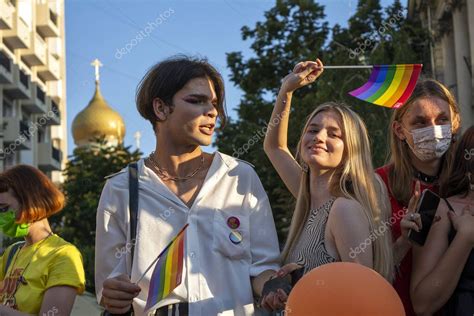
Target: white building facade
{"type": "Point", "coordinates": [33, 85]}
{"type": "Point", "coordinates": [451, 23]}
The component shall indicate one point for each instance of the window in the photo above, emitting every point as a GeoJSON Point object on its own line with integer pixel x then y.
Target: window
{"type": "Point", "coordinates": [24, 79]}
{"type": "Point", "coordinates": [53, 17]}
{"type": "Point", "coordinates": [41, 135]}
{"type": "Point", "coordinates": [7, 110]}
{"type": "Point", "coordinates": [10, 160]}
{"type": "Point", "coordinates": [40, 94]}
{"type": "Point", "coordinates": [5, 61]}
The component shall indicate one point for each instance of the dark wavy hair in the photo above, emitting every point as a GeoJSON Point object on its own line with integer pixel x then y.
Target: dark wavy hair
{"type": "Point", "coordinates": [167, 77]}
{"type": "Point", "coordinates": [456, 182]}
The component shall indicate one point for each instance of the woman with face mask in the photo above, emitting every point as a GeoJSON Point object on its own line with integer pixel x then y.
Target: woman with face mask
{"type": "Point", "coordinates": [421, 134]}
{"type": "Point", "coordinates": [443, 269]}
{"type": "Point", "coordinates": [42, 274]}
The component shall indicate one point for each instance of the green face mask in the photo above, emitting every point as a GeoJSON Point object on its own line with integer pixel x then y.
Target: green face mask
{"type": "Point", "coordinates": [9, 227]}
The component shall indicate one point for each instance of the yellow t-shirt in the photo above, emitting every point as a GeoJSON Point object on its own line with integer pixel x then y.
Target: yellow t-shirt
{"type": "Point", "coordinates": [52, 262]}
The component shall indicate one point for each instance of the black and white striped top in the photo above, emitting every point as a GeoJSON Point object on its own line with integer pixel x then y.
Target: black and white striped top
{"type": "Point", "coordinates": [310, 250]}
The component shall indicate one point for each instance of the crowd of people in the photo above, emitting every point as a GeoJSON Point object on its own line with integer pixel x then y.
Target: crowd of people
{"type": "Point", "coordinates": [233, 264]}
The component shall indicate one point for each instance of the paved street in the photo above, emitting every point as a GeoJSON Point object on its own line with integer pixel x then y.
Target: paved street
{"type": "Point", "coordinates": [86, 305]}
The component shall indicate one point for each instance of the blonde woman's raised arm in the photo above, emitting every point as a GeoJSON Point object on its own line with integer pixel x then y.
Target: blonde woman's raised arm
{"type": "Point", "coordinates": [276, 138]}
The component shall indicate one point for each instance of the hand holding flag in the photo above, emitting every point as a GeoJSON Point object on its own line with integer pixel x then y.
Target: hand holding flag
{"type": "Point", "coordinates": [303, 74]}
{"type": "Point", "coordinates": [168, 272]}
{"type": "Point", "coordinates": [388, 85]}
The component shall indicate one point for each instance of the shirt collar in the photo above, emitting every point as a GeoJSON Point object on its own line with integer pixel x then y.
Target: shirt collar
{"type": "Point", "coordinates": [219, 167]}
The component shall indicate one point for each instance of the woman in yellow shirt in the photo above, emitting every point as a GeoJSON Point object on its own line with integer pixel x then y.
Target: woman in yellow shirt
{"type": "Point", "coordinates": [43, 274]}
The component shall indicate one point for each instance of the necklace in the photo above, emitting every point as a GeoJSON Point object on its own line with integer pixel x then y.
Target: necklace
{"type": "Point", "coordinates": [162, 173]}
{"type": "Point", "coordinates": [424, 177]}
{"type": "Point", "coordinates": [10, 301]}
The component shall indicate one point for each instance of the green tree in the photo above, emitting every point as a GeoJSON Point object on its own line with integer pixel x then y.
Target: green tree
{"type": "Point", "coordinates": [375, 36]}
{"type": "Point", "coordinates": [295, 30]}
{"type": "Point", "coordinates": [85, 174]}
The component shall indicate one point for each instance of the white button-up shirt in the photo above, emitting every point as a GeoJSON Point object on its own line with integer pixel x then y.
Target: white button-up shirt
{"type": "Point", "coordinates": [216, 271]}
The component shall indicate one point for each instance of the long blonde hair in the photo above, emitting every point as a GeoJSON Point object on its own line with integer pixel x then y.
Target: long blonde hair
{"type": "Point", "coordinates": [355, 179]}
{"type": "Point", "coordinates": [401, 170]}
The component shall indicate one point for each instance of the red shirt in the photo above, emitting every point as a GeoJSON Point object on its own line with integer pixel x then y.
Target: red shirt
{"type": "Point", "coordinates": [403, 276]}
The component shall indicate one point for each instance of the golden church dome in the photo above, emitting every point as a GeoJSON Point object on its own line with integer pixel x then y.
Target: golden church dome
{"type": "Point", "coordinates": [98, 119]}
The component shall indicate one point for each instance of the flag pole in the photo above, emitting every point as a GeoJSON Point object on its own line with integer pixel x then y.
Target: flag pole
{"type": "Point", "coordinates": [349, 67]}
{"type": "Point", "coordinates": [159, 256]}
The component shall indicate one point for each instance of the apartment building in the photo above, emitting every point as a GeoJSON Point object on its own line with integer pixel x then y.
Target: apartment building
{"type": "Point", "coordinates": [33, 85]}
{"type": "Point", "coordinates": [451, 24]}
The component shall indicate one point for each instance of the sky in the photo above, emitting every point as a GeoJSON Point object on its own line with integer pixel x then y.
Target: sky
{"type": "Point", "coordinates": [108, 29]}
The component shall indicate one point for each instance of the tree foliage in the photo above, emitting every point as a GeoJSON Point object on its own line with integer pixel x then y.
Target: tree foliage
{"type": "Point", "coordinates": [294, 31]}
{"type": "Point", "coordinates": [85, 174]}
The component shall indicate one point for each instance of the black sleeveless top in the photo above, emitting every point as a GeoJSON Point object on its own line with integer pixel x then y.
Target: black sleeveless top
{"type": "Point", "coordinates": [461, 302]}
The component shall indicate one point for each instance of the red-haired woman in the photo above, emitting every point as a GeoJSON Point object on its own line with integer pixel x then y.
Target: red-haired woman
{"type": "Point", "coordinates": [43, 274]}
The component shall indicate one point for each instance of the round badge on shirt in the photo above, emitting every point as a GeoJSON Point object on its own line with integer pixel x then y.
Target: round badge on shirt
{"type": "Point", "coordinates": [235, 237]}
{"type": "Point", "coordinates": [233, 222]}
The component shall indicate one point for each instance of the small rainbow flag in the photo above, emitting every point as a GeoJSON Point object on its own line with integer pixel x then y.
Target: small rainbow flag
{"type": "Point", "coordinates": [167, 274]}
{"type": "Point", "coordinates": [389, 85]}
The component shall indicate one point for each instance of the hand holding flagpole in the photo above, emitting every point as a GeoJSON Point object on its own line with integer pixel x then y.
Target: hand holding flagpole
{"type": "Point", "coordinates": [168, 271]}
{"type": "Point", "coordinates": [388, 85]}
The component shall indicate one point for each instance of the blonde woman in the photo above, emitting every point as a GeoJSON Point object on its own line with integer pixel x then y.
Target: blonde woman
{"type": "Point", "coordinates": [422, 132]}
{"type": "Point", "coordinates": [338, 211]}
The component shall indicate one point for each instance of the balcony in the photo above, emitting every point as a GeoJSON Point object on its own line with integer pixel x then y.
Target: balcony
{"type": "Point", "coordinates": [55, 90]}
{"type": "Point", "coordinates": [36, 104]}
{"type": "Point", "coordinates": [6, 64]}
{"type": "Point", "coordinates": [40, 94]}
{"type": "Point", "coordinates": [46, 20]}
{"type": "Point", "coordinates": [36, 54]}
{"type": "Point", "coordinates": [24, 78]}
{"type": "Point", "coordinates": [51, 71]}
{"type": "Point", "coordinates": [53, 116]}
{"type": "Point", "coordinates": [20, 88]}
{"type": "Point", "coordinates": [20, 34]}
{"type": "Point", "coordinates": [16, 135]}
{"type": "Point", "coordinates": [6, 14]}
{"type": "Point", "coordinates": [55, 109]}
{"type": "Point", "coordinates": [55, 46]}
{"type": "Point", "coordinates": [49, 157]}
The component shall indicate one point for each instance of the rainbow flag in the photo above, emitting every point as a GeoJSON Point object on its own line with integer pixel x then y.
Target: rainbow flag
{"type": "Point", "coordinates": [389, 85]}
{"type": "Point", "coordinates": [167, 274]}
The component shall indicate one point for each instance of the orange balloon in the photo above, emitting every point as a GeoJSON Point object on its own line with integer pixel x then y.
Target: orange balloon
{"type": "Point", "coordinates": [343, 288]}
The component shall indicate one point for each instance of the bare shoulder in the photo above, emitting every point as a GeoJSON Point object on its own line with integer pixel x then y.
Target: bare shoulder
{"type": "Point", "coordinates": [441, 226]}
{"type": "Point", "coordinates": [343, 205]}
{"type": "Point", "coordinates": [458, 203]}
{"type": "Point", "coordinates": [443, 208]}
{"type": "Point", "coordinates": [347, 211]}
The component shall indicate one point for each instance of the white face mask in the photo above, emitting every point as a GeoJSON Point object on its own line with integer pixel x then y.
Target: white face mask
{"type": "Point", "coordinates": [431, 142]}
